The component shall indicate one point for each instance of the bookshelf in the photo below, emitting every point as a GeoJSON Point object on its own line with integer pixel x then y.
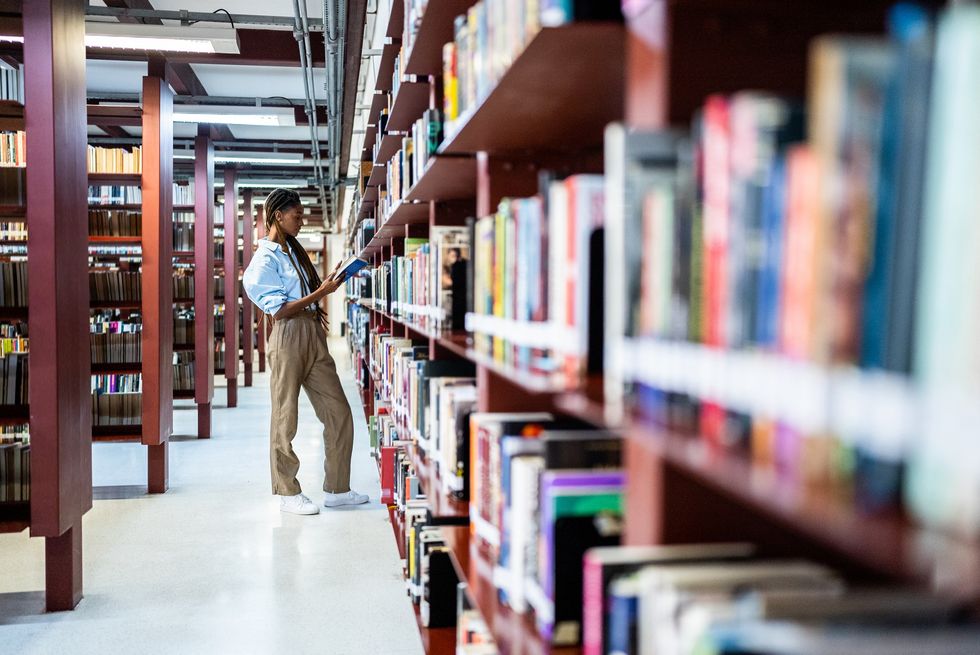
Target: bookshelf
{"type": "Point", "coordinates": [655, 73]}
{"type": "Point", "coordinates": [58, 419]}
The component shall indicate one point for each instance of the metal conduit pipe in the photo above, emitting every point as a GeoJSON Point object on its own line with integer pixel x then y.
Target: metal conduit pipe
{"type": "Point", "coordinates": [311, 110]}
{"type": "Point", "coordinates": [301, 34]}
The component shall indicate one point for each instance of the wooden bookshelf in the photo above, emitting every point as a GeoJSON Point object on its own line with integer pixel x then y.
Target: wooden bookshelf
{"type": "Point", "coordinates": [248, 309]}
{"type": "Point", "coordinates": [435, 28]}
{"type": "Point", "coordinates": [120, 206]}
{"type": "Point", "coordinates": [534, 110]}
{"type": "Point", "coordinates": [116, 241]}
{"type": "Point", "coordinates": [14, 414]}
{"type": "Point", "coordinates": [13, 313]}
{"type": "Point", "coordinates": [445, 178]}
{"type": "Point", "coordinates": [204, 284]}
{"type": "Point", "coordinates": [12, 211]}
{"type": "Point", "coordinates": [232, 269]}
{"type": "Point", "coordinates": [115, 179]}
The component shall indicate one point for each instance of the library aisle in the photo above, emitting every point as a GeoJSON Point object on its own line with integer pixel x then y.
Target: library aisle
{"type": "Point", "coordinates": [212, 566]}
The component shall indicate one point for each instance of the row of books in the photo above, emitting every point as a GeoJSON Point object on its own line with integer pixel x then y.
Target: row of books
{"type": "Point", "coordinates": [122, 406]}
{"type": "Point", "coordinates": [795, 300]}
{"type": "Point", "coordinates": [13, 231]}
{"type": "Point", "coordinates": [114, 223]}
{"type": "Point", "coordinates": [116, 342]}
{"type": "Point", "coordinates": [114, 254]}
{"type": "Point", "coordinates": [12, 82]}
{"type": "Point", "coordinates": [114, 285]}
{"type": "Point", "coordinates": [15, 468]}
{"type": "Point", "coordinates": [13, 290]}
{"type": "Point", "coordinates": [536, 483]}
{"type": "Point", "coordinates": [219, 353]}
{"type": "Point", "coordinates": [492, 34]}
{"type": "Point", "coordinates": [14, 372]}
{"type": "Point", "coordinates": [184, 371]}
{"type": "Point", "coordinates": [427, 285]}
{"type": "Point", "coordinates": [537, 281]}
{"type": "Point", "coordinates": [184, 193]}
{"type": "Point", "coordinates": [183, 228]}
{"type": "Point", "coordinates": [184, 326]}
{"type": "Point", "coordinates": [183, 283]}
{"type": "Point", "coordinates": [363, 234]}
{"type": "Point", "coordinates": [398, 177]}
{"type": "Point", "coordinates": [426, 136]}
{"type": "Point", "coordinates": [115, 195]}
{"type": "Point", "coordinates": [13, 149]}
{"type": "Point", "coordinates": [115, 160]}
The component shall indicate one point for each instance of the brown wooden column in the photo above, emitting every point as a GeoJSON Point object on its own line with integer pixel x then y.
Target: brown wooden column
{"type": "Point", "coordinates": [248, 320]}
{"type": "Point", "coordinates": [261, 323]}
{"type": "Point", "coordinates": [231, 284]}
{"type": "Point", "coordinates": [61, 419]}
{"type": "Point", "coordinates": [157, 273]}
{"type": "Point", "coordinates": [203, 279]}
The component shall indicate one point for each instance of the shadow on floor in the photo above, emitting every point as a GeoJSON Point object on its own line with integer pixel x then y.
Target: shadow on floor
{"type": "Point", "coordinates": [21, 607]}
{"type": "Point", "coordinates": [121, 492]}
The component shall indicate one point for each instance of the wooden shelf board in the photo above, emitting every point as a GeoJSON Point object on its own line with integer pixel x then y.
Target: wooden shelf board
{"type": "Point", "coordinates": [408, 213]}
{"type": "Point", "coordinates": [14, 242]}
{"type": "Point", "coordinates": [15, 517]}
{"type": "Point", "coordinates": [117, 433]}
{"type": "Point", "coordinates": [386, 65]}
{"type": "Point", "coordinates": [377, 176]}
{"type": "Point", "coordinates": [116, 240]}
{"type": "Point", "coordinates": [370, 138]}
{"type": "Point", "coordinates": [13, 313]}
{"type": "Point", "coordinates": [116, 369]}
{"type": "Point", "coordinates": [446, 178]}
{"type": "Point", "coordinates": [115, 179]}
{"type": "Point", "coordinates": [184, 208]}
{"type": "Point", "coordinates": [14, 414]}
{"type": "Point", "coordinates": [514, 633]}
{"type": "Point", "coordinates": [435, 29]}
{"type": "Point", "coordinates": [408, 105]}
{"type": "Point", "coordinates": [396, 21]}
{"type": "Point", "coordinates": [532, 109]}
{"type": "Point", "coordinates": [888, 544]}
{"type": "Point", "coordinates": [13, 211]}
{"type": "Point", "coordinates": [531, 382]}
{"type": "Point", "coordinates": [441, 502]}
{"type": "Point", "coordinates": [370, 196]}
{"type": "Point", "coordinates": [124, 207]}
{"type": "Point", "coordinates": [390, 145]}
{"type": "Point", "coordinates": [115, 304]}
{"type": "Point", "coordinates": [184, 394]}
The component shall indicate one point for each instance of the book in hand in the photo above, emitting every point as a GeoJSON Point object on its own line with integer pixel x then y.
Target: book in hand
{"type": "Point", "coordinates": [349, 268]}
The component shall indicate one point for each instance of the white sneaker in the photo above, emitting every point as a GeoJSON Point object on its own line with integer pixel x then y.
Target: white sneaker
{"type": "Point", "coordinates": [349, 498]}
{"type": "Point", "coordinates": [298, 504]}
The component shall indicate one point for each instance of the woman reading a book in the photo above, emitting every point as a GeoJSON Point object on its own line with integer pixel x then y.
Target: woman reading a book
{"type": "Point", "coordinates": [282, 281]}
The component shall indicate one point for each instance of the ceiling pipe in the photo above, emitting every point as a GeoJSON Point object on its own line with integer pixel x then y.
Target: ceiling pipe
{"type": "Point", "coordinates": [301, 34]}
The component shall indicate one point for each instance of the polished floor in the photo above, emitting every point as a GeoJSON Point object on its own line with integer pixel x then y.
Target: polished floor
{"type": "Point", "coordinates": [212, 566]}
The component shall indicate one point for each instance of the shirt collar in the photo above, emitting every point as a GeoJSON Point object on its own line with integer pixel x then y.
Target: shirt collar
{"type": "Point", "coordinates": [268, 244]}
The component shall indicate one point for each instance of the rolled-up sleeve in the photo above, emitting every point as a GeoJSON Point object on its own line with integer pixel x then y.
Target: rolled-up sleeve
{"type": "Point", "coordinates": [263, 283]}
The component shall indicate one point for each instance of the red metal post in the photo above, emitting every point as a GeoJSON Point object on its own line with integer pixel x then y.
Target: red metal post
{"type": "Point", "coordinates": [203, 279]}
{"type": "Point", "coordinates": [61, 421]}
{"type": "Point", "coordinates": [231, 285]}
{"type": "Point", "coordinates": [248, 321]}
{"type": "Point", "coordinates": [261, 323]}
{"type": "Point", "coordinates": [157, 274]}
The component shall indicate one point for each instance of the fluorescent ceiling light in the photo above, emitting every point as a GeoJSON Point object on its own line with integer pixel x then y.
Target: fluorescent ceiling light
{"type": "Point", "coordinates": [228, 157]}
{"type": "Point", "coordinates": [165, 38]}
{"type": "Point", "coordinates": [135, 36]}
{"type": "Point", "coordinates": [268, 184]}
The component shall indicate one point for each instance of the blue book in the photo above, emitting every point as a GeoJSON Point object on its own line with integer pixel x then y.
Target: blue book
{"type": "Point", "coordinates": [350, 268]}
{"type": "Point", "coordinates": [773, 223]}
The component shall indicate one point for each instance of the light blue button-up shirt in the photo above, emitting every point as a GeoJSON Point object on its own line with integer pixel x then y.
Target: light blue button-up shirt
{"type": "Point", "coordinates": [271, 280]}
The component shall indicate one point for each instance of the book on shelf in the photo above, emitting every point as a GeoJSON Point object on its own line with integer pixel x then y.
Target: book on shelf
{"type": "Point", "coordinates": [184, 326]}
{"type": "Point", "coordinates": [117, 399]}
{"type": "Point", "coordinates": [115, 160]}
{"type": "Point", "coordinates": [184, 193]}
{"type": "Point", "coordinates": [12, 82]}
{"type": "Point", "coordinates": [13, 291]}
{"type": "Point", "coordinates": [108, 283]}
{"type": "Point", "coordinates": [490, 37]}
{"type": "Point", "coordinates": [13, 231]}
{"type": "Point", "coordinates": [183, 228]}
{"type": "Point", "coordinates": [115, 195]}
{"type": "Point", "coordinates": [116, 342]}
{"type": "Point", "coordinates": [183, 285]}
{"type": "Point", "coordinates": [114, 223]}
{"type": "Point", "coordinates": [13, 149]}
{"type": "Point", "coordinates": [789, 299]}
{"type": "Point", "coordinates": [15, 468]}
{"type": "Point", "coordinates": [183, 371]}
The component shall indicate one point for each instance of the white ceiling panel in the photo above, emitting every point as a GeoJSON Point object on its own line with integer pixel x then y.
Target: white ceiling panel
{"type": "Point", "coordinates": [251, 81]}
{"type": "Point", "coordinates": [114, 76]}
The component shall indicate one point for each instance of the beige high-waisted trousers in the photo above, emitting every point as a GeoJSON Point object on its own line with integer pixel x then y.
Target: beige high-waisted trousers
{"type": "Point", "coordinates": [298, 357]}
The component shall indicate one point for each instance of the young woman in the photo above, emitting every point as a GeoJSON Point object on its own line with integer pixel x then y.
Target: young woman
{"type": "Point", "coordinates": [283, 283]}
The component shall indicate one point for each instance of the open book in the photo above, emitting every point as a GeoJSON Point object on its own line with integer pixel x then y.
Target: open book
{"type": "Point", "coordinates": [349, 268]}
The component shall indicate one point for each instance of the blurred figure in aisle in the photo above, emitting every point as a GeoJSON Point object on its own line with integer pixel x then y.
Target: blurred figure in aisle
{"type": "Point", "coordinates": [282, 281]}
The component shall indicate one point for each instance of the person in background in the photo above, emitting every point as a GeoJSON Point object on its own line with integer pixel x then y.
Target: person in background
{"type": "Point", "coordinates": [282, 281]}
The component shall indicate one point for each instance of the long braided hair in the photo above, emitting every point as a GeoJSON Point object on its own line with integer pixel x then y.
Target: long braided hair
{"type": "Point", "coordinates": [283, 200]}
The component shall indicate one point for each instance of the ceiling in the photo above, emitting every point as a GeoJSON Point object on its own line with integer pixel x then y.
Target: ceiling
{"type": "Point", "coordinates": [114, 74]}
